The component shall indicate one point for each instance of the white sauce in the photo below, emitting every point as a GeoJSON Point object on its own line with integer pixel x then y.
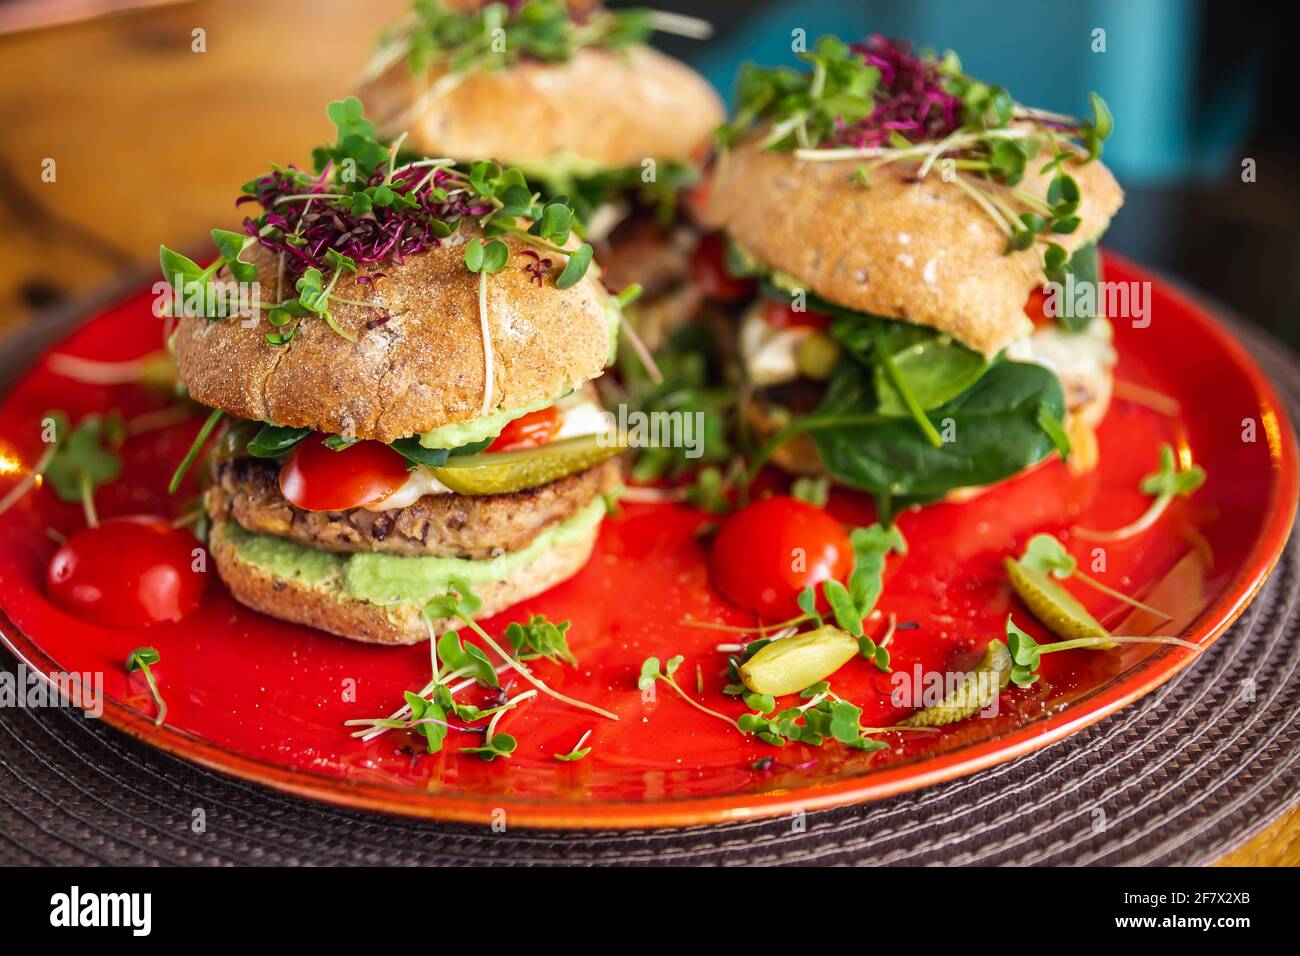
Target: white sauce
{"type": "Point", "coordinates": [1081, 360]}
{"type": "Point", "coordinates": [770, 355]}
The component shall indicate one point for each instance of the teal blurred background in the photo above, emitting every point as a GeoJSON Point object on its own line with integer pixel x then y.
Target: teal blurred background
{"type": "Point", "coordinates": [1195, 87]}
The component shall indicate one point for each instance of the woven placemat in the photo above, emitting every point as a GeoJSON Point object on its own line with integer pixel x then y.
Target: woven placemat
{"type": "Point", "coordinates": [1181, 777]}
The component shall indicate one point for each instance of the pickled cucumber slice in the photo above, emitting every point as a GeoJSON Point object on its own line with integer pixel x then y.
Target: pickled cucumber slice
{"type": "Point", "coordinates": [788, 666]}
{"type": "Point", "coordinates": [501, 473]}
{"type": "Point", "coordinates": [977, 690]}
{"type": "Point", "coordinates": [1063, 615]}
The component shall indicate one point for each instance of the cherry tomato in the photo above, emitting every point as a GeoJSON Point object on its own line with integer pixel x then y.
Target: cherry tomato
{"type": "Point", "coordinates": [1035, 308]}
{"type": "Point", "coordinates": [769, 551]}
{"type": "Point", "coordinates": [709, 272]}
{"type": "Point", "coordinates": [780, 315]}
{"type": "Point", "coordinates": [127, 572]}
{"type": "Point", "coordinates": [316, 478]}
{"type": "Point", "coordinates": [528, 431]}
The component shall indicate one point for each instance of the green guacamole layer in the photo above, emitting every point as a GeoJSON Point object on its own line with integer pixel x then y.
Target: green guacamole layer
{"type": "Point", "coordinates": [388, 579]}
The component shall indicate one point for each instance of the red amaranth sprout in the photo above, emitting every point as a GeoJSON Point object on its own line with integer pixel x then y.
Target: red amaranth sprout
{"type": "Point", "coordinates": [304, 230]}
{"type": "Point", "coordinates": [911, 98]}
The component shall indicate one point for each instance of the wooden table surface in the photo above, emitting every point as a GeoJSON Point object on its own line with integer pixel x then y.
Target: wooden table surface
{"type": "Point", "coordinates": [151, 141]}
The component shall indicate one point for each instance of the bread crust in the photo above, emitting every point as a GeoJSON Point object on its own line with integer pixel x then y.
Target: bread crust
{"type": "Point", "coordinates": [610, 109]}
{"type": "Point", "coordinates": [923, 252]}
{"type": "Point", "coordinates": [323, 609]}
{"type": "Point", "coordinates": [420, 369]}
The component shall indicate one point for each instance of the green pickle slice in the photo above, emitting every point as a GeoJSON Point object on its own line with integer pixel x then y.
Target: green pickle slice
{"type": "Point", "coordinates": [501, 473]}
{"type": "Point", "coordinates": [1059, 610]}
{"type": "Point", "coordinates": [975, 692]}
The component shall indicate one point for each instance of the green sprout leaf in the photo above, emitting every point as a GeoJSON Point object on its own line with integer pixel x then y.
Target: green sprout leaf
{"type": "Point", "coordinates": [140, 659]}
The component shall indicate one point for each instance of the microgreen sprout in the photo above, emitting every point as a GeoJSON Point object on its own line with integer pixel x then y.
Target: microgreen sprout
{"type": "Point", "coordinates": [1046, 554]}
{"type": "Point", "coordinates": [195, 447]}
{"type": "Point", "coordinates": [1165, 484]}
{"type": "Point", "coordinates": [651, 672]}
{"type": "Point", "coordinates": [850, 605]}
{"type": "Point", "coordinates": [459, 39]}
{"type": "Point", "coordinates": [461, 602]}
{"type": "Point", "coordinates": [1026, 652]}
{"type": "Point", "coordinates": [76, 461]}
{"type": "Point", "coordinates": [878, 101]}
{"type": "Point", "coordinates": [139, 660]}
{"type": "Point", "coordinates": [578, 751]}
{"type": "Point", "coordinates": [541, 638]}
{"type": "Point", "coordinates": [362, 208]}
{"type": "Point", "coordinates": [823, 716]}
{"type": "Point", "coordinates": [495, 744]}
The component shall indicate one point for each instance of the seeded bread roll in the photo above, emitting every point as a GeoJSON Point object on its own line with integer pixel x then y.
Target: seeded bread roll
{"type": "Point", "coordinates": [323, 606]}
{"type": "Point", "coordinates": [418, 370]}
{"type": "Point", "coordinates": [603, 109]}
{"type": "Point", "coordinates": [922, 252]}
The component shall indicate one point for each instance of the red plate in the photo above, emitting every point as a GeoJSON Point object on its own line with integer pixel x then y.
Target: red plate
{"type": "Point", "coordinates": [266, 700]}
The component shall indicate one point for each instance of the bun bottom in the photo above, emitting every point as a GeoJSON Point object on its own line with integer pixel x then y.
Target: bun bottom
{"type": "Point", "coordinates": [325, 608]}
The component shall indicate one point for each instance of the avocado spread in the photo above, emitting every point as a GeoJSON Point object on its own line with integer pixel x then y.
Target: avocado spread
{"type": "Point", "coordinates": [393, 579]}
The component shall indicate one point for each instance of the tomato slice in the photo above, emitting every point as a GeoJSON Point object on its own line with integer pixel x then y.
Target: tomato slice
{"type": "Point", "coordinates": [316, 478]}
{"type": "Point", "coordinates": [781, 315]}
{"type": "Point", "coordinates": [528, 431]}
{"type": "Point", "coordinates": [769, 551]}
{"type": "Point", "coordinates": [128, 572]}
{"type": "Point", "coordinates": [709, 272]}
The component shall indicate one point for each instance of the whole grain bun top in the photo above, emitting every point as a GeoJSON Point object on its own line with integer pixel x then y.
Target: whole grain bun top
{"type": "Point", "coordinates": [924, 252]}
{"type": "Point", "coordinates": [605, 109]}
{"type": "Point", "coordinates": [420, 369]}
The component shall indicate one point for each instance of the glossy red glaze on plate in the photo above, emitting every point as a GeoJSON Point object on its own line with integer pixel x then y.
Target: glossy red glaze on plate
{"type": "Point", "coordinates": [266, 700]}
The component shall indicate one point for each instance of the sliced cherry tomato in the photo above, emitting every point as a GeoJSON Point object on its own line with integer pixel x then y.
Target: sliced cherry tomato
{"type": "Point", "coordinates": [769, 551]}
{"type": "Point", "coordinates": [709, 272]}
{"type": "Point", "coordinates": [781, 315]}
{"type": "Point", "coordinates": [128, 572]}
{"type": "Point", "coordinates": [1035, 308]}
{"type": "Point", "coordinates": [316, 478]}
{"type": "Point", "coordinates": [528, 431]}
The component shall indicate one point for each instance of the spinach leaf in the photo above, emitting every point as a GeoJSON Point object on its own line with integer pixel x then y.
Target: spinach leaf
{"type": "Point", "coordinates": [932, 366]}
{"type": "Point", "coordinates": [991, 431]}
{"type": "Point", "coordinates": [272, 441]}
{"type": "Point", "coordinates": [416, 454]}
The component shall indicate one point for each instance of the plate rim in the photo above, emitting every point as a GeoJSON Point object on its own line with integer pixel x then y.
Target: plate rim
{"type": "Point", "coordinates": [450, 806]}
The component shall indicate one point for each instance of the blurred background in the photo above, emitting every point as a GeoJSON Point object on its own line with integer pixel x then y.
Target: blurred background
{"type": "Point", "coordinates": [133, 122]}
